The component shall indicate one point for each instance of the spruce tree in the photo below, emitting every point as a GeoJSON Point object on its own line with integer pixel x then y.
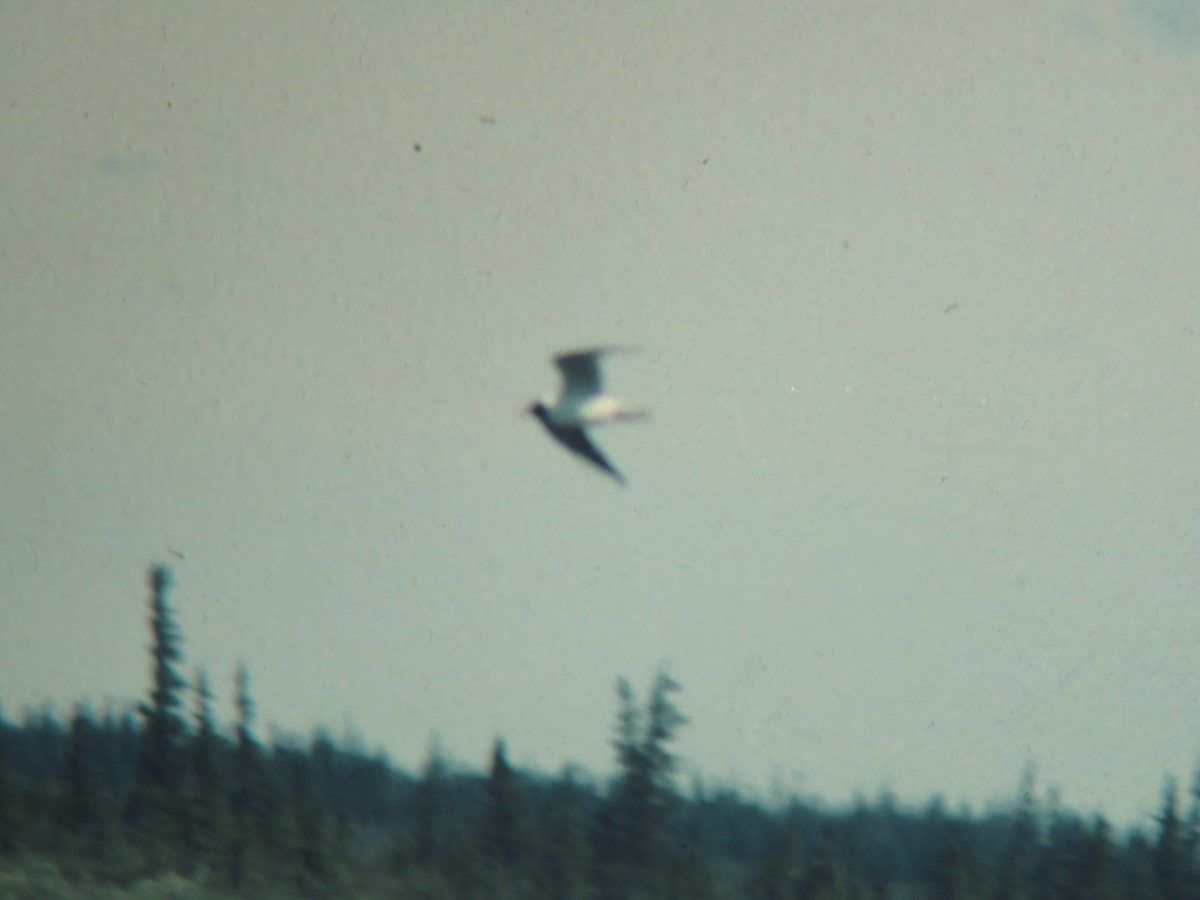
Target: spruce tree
{"type": "Point", "coordinates": [1191, 840]}
{"type": "Point", "coordinates": [563, 848]}
{"type": "Point", "coordinates": [1095, 874]}
{"type": "Point", "coordinates": [776, 874]}
{"type": "Point", "coordinates": [1057, 869]}
{"type": "Point", "coordinates": [256, 836]}
{"type": "Point", "coordinates": [1170, 865]}
{"type": "Point", "coordinates": [11, 822]}
{"type": "Point", "coordinates": [1020, 851]}
{"type": "Point", "coordinates": [310, 862]}
{"type": "Point", "coordinates": [952, 877]}
{"type": "Point", "coordinates": [156, 809]}
{"type": "Point", "coordinates": [663, 720]}
{"type": "Point", "coordinates": [427, 837]}
{"type": "Point", "coordinates": [633, 823]}
{"type": "Point", "coordinates": [208, 827]}
{"type": "Point", "coordinates": [85, 814]}
{"type": "Point", "coordinates": [506, 837]}
{"type": "Point", "coordinates": [1136, 869]}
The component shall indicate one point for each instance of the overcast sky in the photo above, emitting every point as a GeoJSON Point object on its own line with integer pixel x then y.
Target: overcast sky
{"type": "Point", "coordinates": [916, 292]}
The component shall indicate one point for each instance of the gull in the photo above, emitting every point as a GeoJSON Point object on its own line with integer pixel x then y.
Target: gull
{"type": "Point", "coordinates": [582, 402]}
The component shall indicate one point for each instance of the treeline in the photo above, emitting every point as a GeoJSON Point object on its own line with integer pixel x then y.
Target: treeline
{"type": "Point", "coordinates": [161, 801]}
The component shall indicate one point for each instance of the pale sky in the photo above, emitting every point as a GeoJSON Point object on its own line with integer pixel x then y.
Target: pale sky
{"type": "Point", "coordinates": [916, 291]}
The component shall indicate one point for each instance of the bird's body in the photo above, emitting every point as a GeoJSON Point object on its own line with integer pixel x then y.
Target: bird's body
{"type": "Point", "coordinates": [598, 410]}
{"type": "Point", "coordinates": [582, 403]}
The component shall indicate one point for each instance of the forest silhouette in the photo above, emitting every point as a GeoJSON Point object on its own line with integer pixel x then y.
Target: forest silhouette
{"type": "Point", "coordinates": [162, 801]}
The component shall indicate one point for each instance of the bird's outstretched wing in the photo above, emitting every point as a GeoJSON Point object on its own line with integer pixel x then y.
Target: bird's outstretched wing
{"type": "Point", "coordinates": [575, 440]}
{"type": "Point", "coordinates": [581, 371]}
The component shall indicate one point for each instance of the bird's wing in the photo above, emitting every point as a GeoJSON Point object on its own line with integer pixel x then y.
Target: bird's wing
{"type": "Point", "coordinates": [581, 371]}
{"type": "Point", "coordinates": [576, 441]}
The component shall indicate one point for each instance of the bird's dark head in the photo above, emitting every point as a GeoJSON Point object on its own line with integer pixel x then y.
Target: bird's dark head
{"type": "Point", "coordinates": [538, 409]}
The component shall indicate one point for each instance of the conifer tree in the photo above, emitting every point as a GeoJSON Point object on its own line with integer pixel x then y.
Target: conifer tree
{"type": "Point", "coordinates": [953, 875]}
{"type": "Point", "coordinates": [1191, 840]}
{"type": "Point", "coordinates": [85, 813]}
{"type": "Point", "coordinates": [506, 837]}
{"type": "Point", "coordinates": [156, 810]}
{"type": "Point", "coordinates": [256, 835]}
{"type": "Point", "coordinates": [1170, 865]}
{"type": "Point", "coordinates": [564, 851]}
{"type": "Point", "coordinates": [313, 862]}
{"type": "Point", "coordinates": [427, 837]}
{"type": "Point", "coordinates": [1136, 868]}
{"type": "Point", "coordinates": [663, 720]}
{"type": "Point", "coordinates": [634, 821]}
{"type": "Point", "coordinates": [11, 824]}
{"type": "Point", "coordinates": [775, 876]}
{"type": "Point", "coordinates": [208, 831]}
{"type": "Point", "coordinates": [1016, 862]}
{"type": "Point", "coordinates": [1095, 875]}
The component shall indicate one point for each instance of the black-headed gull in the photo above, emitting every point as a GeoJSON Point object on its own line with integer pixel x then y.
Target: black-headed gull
{"type": "Point", "coordinates": [582, 402]}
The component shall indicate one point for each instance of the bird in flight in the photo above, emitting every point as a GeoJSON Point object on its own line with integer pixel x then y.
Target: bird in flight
{"type": "Point", "coordinates": [582, 402]}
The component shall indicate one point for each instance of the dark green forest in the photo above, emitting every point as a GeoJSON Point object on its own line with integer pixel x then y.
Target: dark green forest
{"type": "Point", "coordinates": [159, 800]}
